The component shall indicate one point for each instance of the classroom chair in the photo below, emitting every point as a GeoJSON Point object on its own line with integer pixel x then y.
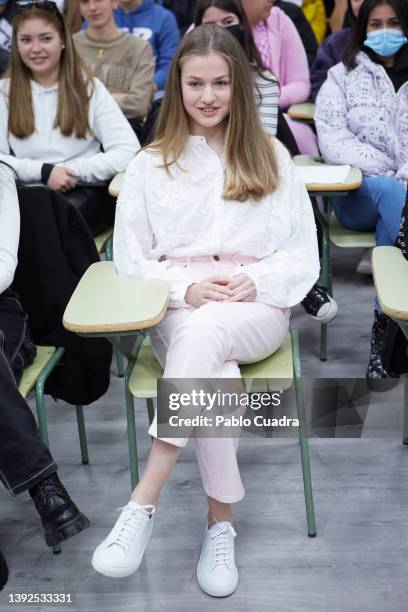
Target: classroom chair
{"type": "Point", "coordinates": [106, 304]}
{"type": "Point", "coordinates": [390, 271]}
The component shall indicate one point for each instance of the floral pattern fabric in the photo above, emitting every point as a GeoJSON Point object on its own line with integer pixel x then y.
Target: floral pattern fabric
{"type": "Point", "coordinates": [161, 216]}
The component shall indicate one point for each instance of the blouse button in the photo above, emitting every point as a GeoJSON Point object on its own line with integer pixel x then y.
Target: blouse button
{"type": "Point", "coordinates": [216, 257]}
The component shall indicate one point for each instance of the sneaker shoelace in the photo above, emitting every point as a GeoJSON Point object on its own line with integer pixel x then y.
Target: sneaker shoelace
{"type": "Point", "coordinates": [315, 299]}
{"type": "Point", "coordinates": [45, 490]}
{"type": "Point", "coordinates": [133, 520]}
{"type": "Point", "coordinates": [221, 548]}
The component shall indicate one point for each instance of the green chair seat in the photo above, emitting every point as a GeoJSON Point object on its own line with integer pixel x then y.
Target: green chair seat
{"type": "Point", "coordinates": [346, 238]}
{"type": "Point", "coordinates": [277, 368]}
{"type": "Point", "coordinates": [33, 371]}
{"type": "Point", "coordinates": [102, 239]}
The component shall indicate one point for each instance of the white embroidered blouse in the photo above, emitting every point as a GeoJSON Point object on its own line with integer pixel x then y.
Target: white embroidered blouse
{"type": "Point", "coordinates": [183, 215]}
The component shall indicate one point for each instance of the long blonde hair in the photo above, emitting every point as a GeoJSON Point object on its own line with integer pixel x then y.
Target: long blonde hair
{"type": "Point", "coordinates": [74, 83]}
{"type": "Point", "coordinates": [251, 167]}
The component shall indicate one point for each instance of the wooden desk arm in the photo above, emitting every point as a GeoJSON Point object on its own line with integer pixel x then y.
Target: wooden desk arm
{"type": "Point", "coordinates": [106, 303]}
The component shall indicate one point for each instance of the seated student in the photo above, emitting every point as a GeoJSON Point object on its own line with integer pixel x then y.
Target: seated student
{"type": "Point", "coordinates": [155, 24]}
{"type": "Point", "coordinates": [123, 63]}
{"type": "Point", "coordinates": [55, 117]}
{"type": "Point", "coordinates": [230, 15]}
{"type": "Point", "coordinates": [25, 461]}
{"type": "Point", "coordinates": [303, 27]}
{"type": "Point", "coordinates": [359, 122]}
{"type": "Point", "coordinates": [331, 50]}
{"type": "Point", "coordinates": [282, 52]}
{"type": "Point", "coordinates": [238, 250]}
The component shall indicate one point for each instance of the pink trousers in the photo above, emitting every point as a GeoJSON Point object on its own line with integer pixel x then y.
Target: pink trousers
{"type": "Point", "coordinates": [209, 342]}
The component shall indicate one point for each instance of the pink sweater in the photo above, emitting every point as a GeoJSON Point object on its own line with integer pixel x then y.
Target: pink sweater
{"type": "Point", "coordinates": [288, 61]}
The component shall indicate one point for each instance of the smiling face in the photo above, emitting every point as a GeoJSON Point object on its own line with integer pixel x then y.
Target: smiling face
{"type": "Point", "coordinates": [220, 17]}
{"type": "Point", "coordinates": [383, 16]}
{"type": "Point", "coordinates": [206, 91]}
{"type": "Point", "coordinates": [40, 46]}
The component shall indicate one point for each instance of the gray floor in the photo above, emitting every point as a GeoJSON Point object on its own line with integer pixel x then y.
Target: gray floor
{"type": "Point", "coordinates": [358, 561]}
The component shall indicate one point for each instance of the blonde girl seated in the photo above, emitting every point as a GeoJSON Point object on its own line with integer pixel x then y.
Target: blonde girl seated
{"type": "Point", "coordinates": [213, 206]}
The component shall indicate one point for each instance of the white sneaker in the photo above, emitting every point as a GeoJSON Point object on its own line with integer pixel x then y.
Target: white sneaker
{"type": "Point", "coordinates": [217, 573]}
{"type": "Point", "coordinates": [121, 553]}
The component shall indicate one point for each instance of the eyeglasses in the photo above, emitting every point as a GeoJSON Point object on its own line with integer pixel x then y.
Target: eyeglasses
{"type": "Point", "coordinates": [46, 5]}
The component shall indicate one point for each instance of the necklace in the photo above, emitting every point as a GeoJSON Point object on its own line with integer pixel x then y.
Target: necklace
{"type": "Point", "coordinates": [99, 53]}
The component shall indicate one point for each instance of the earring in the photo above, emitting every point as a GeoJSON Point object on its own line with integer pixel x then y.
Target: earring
{"type": "Point", "coordinates": [62, 46]}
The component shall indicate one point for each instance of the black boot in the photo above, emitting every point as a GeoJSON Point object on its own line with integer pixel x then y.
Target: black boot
{"type": "Point", "coordinates": [3, 572]}
{"type": "Point", "coordinates": [59, 515]}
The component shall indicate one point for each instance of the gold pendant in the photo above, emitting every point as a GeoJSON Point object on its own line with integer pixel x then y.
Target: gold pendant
{"type": "Point", "coordinates": [99, 53]}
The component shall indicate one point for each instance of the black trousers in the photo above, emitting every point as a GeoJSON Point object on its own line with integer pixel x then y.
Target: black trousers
{"type": "Point", "coordinates": [24, 458]}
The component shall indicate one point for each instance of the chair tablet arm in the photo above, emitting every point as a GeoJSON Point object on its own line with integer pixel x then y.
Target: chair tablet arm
{"type": "Point", "coordinates": [116, 184]}
{"type": "Point", "coordinates": [303, 111]}
{"type": "Point", "coordinates": [106, 303]}
{"type": "Point", "coordinates": [390, 270]}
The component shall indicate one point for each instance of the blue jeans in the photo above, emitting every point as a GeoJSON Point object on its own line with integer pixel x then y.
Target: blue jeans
{"type": "Point", "coordinates": [376, 205]}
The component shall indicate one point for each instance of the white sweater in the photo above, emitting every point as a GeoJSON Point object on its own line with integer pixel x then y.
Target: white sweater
{"type": "Point", "coordinates": [9, 227]}
{"type": "Point", "coordinates": [184, 215]}
{"type": "Point", "coordinates": [109, 127]}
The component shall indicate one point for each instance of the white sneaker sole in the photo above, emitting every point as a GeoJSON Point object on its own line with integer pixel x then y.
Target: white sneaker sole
{"type": "Point", "coordinates": [215, 591]}
{"type": "Point", "coordinates": [114, 572]}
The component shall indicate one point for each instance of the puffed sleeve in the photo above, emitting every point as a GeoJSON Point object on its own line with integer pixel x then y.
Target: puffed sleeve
{"type": "Point", "coordinates": [113, 131]}
{"type": "Point", "coordinates": [337, 142]}
{"type": "Point", "coordinates": [133, 238]}
{"type": "Point", "coordinates": [284, 277]}
{"type": "Point", "coordinates": [9, 227]}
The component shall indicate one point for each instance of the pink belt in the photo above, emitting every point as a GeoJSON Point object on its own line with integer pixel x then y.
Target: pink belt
{"type": "Point", "coordinates": [233, 258]}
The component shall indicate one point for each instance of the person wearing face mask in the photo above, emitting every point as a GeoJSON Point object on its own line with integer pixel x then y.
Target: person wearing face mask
{"type": "Point", "coordinates": [331, 50]}
{"type": "Point", "coordinates": [359, 121]}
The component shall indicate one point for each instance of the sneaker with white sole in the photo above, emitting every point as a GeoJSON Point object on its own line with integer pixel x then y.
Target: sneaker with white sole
{"type": "Point", "coordinates": [217, 573]}
{"type": "Point", "coordinates": [121, 553]}
{"type": "Point", "coordinates": [320, 305]}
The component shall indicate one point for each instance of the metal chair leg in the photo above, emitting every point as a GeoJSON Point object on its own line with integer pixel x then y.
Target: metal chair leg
{"type": "Point", "coordinates": [40, 407]}
{"type": "Point", "coordinates": [119, 363]}
{"type": "Point", "coordinates": [131, 429]}
{"type": "Point", "coordinates": [82, 434]}
{"type": "Point", "coordinates": [326, 276]}
{"type": "Point", "coordinates": [405, 434]}
{"type": "Point", "coordinates": [150, 409]}
{"type": "Point", "coordinates": [39, 394]}
{"type": "Point", "coordinates": [323, 341]}
{"type": "Point", "coordinates": [303, 440]}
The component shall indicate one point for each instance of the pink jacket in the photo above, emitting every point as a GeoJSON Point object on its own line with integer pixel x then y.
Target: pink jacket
{"type": "Point", "coordinates": [288, 60]}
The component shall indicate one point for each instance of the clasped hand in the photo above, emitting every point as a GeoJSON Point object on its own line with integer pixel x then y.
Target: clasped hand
{"type": "Point", "coordinates": [239, 288]}
{"type": "Point", "coordinates": [62, 178]}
